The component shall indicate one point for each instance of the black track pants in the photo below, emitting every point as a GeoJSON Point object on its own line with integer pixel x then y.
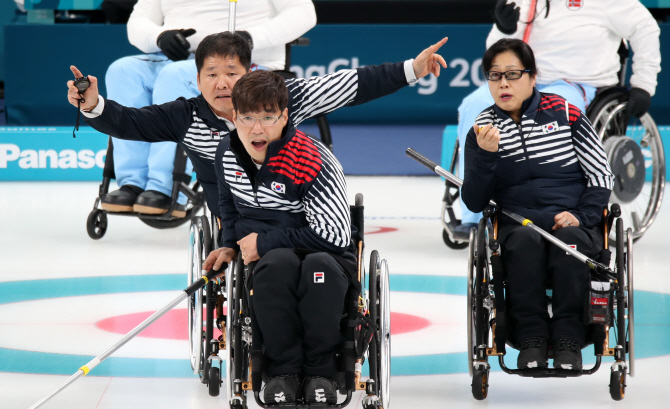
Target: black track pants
{"type": "Point", "coordinates": [530, 262]}
{"type": "Point", "coordinates": [298, 305]}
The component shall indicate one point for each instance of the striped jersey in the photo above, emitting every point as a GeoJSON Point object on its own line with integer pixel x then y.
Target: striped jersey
{"type": "Point", "coordinates": [550, 162]}
{"type": "Point", "coordinates": [297, 199]}
{"type": "Point", "coordinates": [193, 125]}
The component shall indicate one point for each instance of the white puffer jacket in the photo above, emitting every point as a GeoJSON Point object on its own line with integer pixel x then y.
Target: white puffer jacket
{"type": "Point", "coordinates": [579, 39]}
{"type": "Point", "coordinates": [271, 23]}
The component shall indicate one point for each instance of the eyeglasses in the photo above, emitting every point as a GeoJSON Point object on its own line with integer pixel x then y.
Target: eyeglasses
{"type": "Point", "coordinates": [509, 75]}
{"type": "Point", "coordinates": [264, 120]}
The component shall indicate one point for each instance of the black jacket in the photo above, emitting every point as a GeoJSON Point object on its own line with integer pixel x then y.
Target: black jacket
{"type": "Point", "coordinates": [297, 199]}
{"type": "Point", "coordinates": [552, 162]}
{"type": "Point", "coordinates": [193, 125]}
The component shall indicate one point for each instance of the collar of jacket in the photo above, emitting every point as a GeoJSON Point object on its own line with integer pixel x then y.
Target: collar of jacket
{"type": "Point", "coordinates": [529, 106]}
{"type": "Point", "coordinates": [273, 148]}
{"type": "Point", "coordinates": [204, 112]}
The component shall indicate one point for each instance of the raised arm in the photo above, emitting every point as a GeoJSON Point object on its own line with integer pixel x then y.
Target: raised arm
{"type": "Point", "coordinates": [320, 95]}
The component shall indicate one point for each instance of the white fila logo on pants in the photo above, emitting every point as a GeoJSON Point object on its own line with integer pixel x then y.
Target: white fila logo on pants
{"type": "Point", "coordinates": [320, 395]}
{"type": "Point", "coordinates": [319, 278]}
{"type": "Point", "coordinates": [279, 397]}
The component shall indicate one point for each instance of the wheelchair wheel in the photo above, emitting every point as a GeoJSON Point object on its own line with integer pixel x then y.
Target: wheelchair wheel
{"type": "Point", "coordinates": [451, 196]}
{"type": "Point", "coordinates": [199, 247]}
{"type": "Point", "coordinates": [470, 319]}
{"type": "Point", "coordinates": [621, 327]}
{"type": "Point", "coordinates": [631, 311]}
{"type": "Point", "coordinates": [214, 381]}
{"type": "Point", "coordinates": [635, 152]}
{"type": "Point", "coordinates": [618, 385]}
{"type": "Point", "coordinates": [480, 384]}
{"type": "Point", "coordinates": [96, 224]}
{"type": "Point", "coordinates": [380, 314]}
{"type": "Point", "coordinates": [238, 353]}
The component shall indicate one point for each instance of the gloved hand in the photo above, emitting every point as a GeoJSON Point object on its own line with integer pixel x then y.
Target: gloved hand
{"type": "Point", "coordinates": [247, 37]}
{"type": "Point", "coordinates": [174, 45]}
{"type": "Point", "coordinates": [506, 16]}
{"type": "Point", "coordinates": [639, 102]}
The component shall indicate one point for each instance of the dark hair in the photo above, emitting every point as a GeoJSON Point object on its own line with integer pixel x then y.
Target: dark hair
{"type": "Point", "coordinates": [518, 47]}
{"type": "Point", "coordinates": [260, 90]}
{"type": "Point", "coordinates": [224, 44]}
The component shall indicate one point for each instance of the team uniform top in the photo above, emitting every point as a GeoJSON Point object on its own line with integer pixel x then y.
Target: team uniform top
{"type": "Point", "coordinates": [296, 199]}
{"type": "Point", "coordinates": [193, 125]}
{"type": "Point", "coordinates": [552, 162]}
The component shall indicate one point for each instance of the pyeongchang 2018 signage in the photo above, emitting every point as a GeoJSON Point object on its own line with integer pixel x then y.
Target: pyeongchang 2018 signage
{"type": "Point", "coordinates": [50, 153]}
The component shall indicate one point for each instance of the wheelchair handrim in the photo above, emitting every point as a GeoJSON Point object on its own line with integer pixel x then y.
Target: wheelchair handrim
{"type": "Point", "coordinates": [385, 334]}
{"type": "Point", "coordinates": [470, 317]}
{"type": "Point", "coordinates": [631, 314]}
{"type": "Point", "coordinates": [195, 302]}
{"type": "Point", "coordinates": [602, 122]}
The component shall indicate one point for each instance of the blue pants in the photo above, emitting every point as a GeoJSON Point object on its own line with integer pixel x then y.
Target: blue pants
{"type": "Point", "coordinates": [138, 81]}
{"type": "Point", "coordinates": [481, 99]}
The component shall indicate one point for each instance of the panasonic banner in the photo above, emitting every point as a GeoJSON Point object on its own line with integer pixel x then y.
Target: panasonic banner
{"type": "Point", "coordinates": [51, 153]}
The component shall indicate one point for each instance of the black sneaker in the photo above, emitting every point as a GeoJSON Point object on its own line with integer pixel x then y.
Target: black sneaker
{"type": "Point", "coordinates": [320, 390]}
{"type": "Point", "coordinates": [567, 354]}
{"type": "Point", "coordinates": [154, 202]}
{"type": "Point", "coordinates": [533, 353]}
{"type": "Point", "coordinates": [121, 200]}
{"type": "Point", "coordinates": [282, 389]}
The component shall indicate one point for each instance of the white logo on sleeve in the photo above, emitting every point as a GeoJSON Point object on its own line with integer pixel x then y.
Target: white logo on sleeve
{"type": "Point", "coordinates": [572, 246]}
{"type": "Point", "coordinates": [319, 278]}
{"type": "Point", "coordinates": [279, 397]}
{"type": "Point", "coordinates": [320, 393]}
{"type": "Point", "coordinates": [278, 187]}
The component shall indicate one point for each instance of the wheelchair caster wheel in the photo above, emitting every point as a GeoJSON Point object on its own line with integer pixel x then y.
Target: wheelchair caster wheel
{"type": "Point", "coordinates": [96, 224]}
{"type": "Point", "coordinates": [214, 381]}
{"type": "Point", "coordinates": [618, 384]}
{"type": "Point", "coordinates": [455, 245]}
{"type": "Point", "coordinates": [480, 384]}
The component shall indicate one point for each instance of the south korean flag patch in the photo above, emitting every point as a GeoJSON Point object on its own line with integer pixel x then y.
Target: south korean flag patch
{"type": "Point", "coordinates": [278, 187]}
{"type": "Point", "coordinates": [319, 278]}
{"type": "Point", "coordinates": [549, 128]}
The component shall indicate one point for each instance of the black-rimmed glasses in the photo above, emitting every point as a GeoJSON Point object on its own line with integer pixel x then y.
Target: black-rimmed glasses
{"type": "Point", "coordinates": [509, 75]}
{"type": "Point", "coordinates": [264, 120]}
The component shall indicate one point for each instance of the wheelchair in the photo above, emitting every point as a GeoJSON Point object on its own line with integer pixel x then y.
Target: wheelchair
{"type": "Point", "coordinates": [610, 307]}
{"type": "Point", "coordinates": [96, 223]}
{"type": "Point", "coordinates": [634, 151]}
{"type": "Point", "coordinates": [365, 327]}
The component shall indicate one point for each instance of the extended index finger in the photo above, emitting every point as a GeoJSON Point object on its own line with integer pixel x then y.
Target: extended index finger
{"type": "Point", "coordinates": [75, 71]}
{"type": "Point", "coordinates": [433, 48]}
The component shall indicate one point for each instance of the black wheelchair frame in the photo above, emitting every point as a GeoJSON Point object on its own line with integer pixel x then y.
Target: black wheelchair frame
{"type": "Point", "coordinates": [623, 138]}
{"type": "Point", "coordinates": [96, 223]}
{"type": "Point", "coordinates": [487, 320]}
{"type": "Point", "coordinates": [365, 326]}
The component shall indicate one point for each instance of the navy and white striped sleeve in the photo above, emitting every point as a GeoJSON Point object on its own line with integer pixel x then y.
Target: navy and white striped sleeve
{"type": "Point", "coordinates": [591, 154]}
{"type": "Point", "coordinates": [593, 161]}
{"type": "Point", "coordinates": [326, 211]}
{"type": "Point", "coordinates": [312, 97]}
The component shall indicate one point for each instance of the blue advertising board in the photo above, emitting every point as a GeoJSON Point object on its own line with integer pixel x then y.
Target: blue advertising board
{"type": "Point", "coordinates": [51, 153]}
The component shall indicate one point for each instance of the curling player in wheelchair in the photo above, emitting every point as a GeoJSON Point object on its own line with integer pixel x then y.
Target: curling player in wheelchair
{"type": "Point", "coordinates": [283, 205]}
{"type": "Point", "coordinates": [537, 155]}
{"type": "Point", "coordinates": [198, 124]}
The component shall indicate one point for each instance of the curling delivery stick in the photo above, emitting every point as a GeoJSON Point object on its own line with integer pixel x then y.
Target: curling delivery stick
{"type": "Point", "coordinates": [594, 265]}
{"type": "Point", "coordinates": [84, 370]}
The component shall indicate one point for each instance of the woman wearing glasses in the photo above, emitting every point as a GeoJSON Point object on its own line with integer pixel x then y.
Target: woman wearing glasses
{"type": "Point", "coordinates": [537, 155]}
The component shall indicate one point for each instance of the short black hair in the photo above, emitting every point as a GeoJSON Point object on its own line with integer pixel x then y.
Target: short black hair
{"type": "Point", "coordinates": [224, 44]}
{"type": "Point", "coordinates": [518, 47]}
{"type": "Point", "coordinates": [260, 90]}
